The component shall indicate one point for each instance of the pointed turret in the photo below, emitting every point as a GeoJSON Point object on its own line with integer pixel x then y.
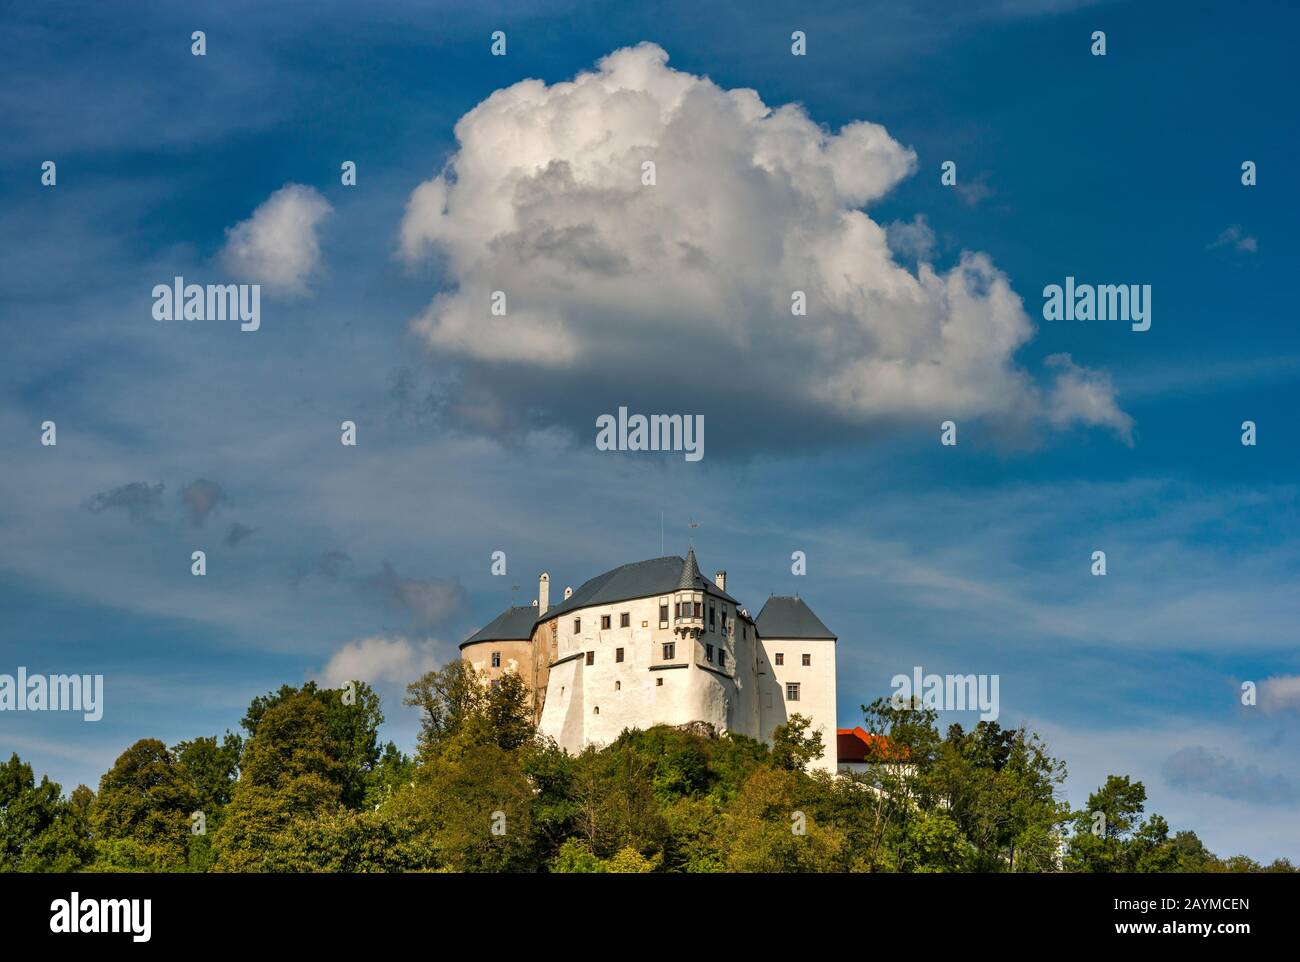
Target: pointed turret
{"type": "Point", "coordinates": [688, 600]}
{"type": "Point", "coordinates": [690, 572]}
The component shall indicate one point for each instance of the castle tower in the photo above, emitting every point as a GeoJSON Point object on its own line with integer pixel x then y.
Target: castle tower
{"type": "Point", "coordinates": [688, 601]}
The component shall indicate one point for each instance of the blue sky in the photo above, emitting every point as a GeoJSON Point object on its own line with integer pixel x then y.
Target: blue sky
{"type": "Point", "coordinates": [1115, 169]}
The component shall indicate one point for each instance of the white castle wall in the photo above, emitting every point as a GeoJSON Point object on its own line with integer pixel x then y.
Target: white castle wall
{"type": "Point", "coordinates": [816, 689]}
{"type": "Point", "coordinates": [591, 704]}
{"type": "Point", "coordinates": [646, 689]}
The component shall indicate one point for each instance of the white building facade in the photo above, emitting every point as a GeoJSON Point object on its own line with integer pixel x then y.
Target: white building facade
{"type": "Point", "coordinates": [655, 643]}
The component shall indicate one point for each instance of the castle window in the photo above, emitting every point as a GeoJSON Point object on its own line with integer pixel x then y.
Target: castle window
{"type": "Point", "coordinates": [663, 616]}
{"type": "Point", "coordinates": [659, 682]}
{"type": "Point", "coordinates": [722, 657]}
{"type": "Point", "coordinates": [625, 620]}
{"type": "Point", "coordinates": [618, 686]}
{"type": "Point", "coordinates": [496, 659]}
{"type": "Point", "coordinates": [807, 660]}
{"type": "Point", "coordinates": [677, 610]}
{"type": "Point", "coordinates": [596, 710]}
{"type": "Point", "coordinates": [713, 617]}
{"type": "Point", "coordinates": [708, 654]}
{"type": "Point", "coordinates": [670, 650]}
{"type": "Point", "coordinates": [618, 654]}
{"type": "Point", "coordinates": [792, 691]}
{"type": "Point", "coordinates": [577, 625]}
{"type": "Point", "coordinates": [591, 657]}
{"type": "Point", "coordinates": [604, 622]}
{"type": "Point", "coordinates": [780, 658]}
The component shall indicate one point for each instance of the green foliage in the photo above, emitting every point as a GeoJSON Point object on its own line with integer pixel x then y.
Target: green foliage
{"type": "Point", "coordinates": [40, 831]}
{"type": "Point", "coordinates": [793, 747]}
{"type": "Point", "coordinates": [352, 728]}
{"type": "Point", "coordinates": [141, 814]}
{"type": "Point", "coordinates": [291, 770]}
{"type": "Point", "coordinates": [313, 790]}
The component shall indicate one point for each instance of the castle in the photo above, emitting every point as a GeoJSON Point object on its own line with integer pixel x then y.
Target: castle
{"type": "Point", "coordinates": [655, 643]}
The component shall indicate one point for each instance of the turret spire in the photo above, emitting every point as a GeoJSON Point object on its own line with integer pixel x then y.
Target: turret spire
{"type": "Point", "coordinates": [690, 572]}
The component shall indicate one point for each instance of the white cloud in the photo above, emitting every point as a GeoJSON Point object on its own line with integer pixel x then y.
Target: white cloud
{"type": "Point", "coordinates": [1281, 693]}
{"type": "Point", "coordinates": [1084, 396]}
{"type": "Point", "coordinates": [277, 247]}
{"type": "Point", "coordinates": [1237, 239]}
{"type": "Point", "coordinates": [377, 660]}
{"type": "Point", "coordinates": [685, 286]}
{"type": "Point", "coordinates": [912, 238]}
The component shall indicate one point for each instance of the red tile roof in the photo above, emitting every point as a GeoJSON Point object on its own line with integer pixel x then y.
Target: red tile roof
{"type": "Point", "coordinates": [856, 745]}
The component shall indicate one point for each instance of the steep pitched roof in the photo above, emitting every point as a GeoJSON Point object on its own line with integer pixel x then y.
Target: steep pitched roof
{"type": "Point", "coordinates": [690, 572]}
{"type": "Point", "coordinates": [789, 617]}
{"type": "Point", "coordinates": [640, 579]}
{"type": "Point", "coordinates": [513, 624]}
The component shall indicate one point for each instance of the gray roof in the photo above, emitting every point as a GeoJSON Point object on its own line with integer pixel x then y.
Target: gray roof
{"type": "Point", "coordinates": [640, 579]}
{"type": "Point", "coordinates": [513, 624]}
{"type": "Point", "coordinates": [690, 572]}
{"type": "Point", "coordinates": [789, 617]}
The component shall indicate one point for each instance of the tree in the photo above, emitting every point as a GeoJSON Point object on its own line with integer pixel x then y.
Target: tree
{"type": "Point", "coordinates": [446, 699]}
{"type": "Point", "coordinates": [793, 747]}
{"type": "Point", "coordinates": [1102, 830]}
{"type": "Point", "coordinates": [767, 828]}
{"type": "Point", "coordinates": [291, 770]}
{"type": "Point", "coordinates": [144, 804]}
{"type": "Point", "coordinates": [354, 729]}
{"type": "Point", "coordinates": [39, 830]}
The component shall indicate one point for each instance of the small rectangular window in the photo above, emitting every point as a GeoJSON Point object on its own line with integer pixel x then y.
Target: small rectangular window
{"type": "Point", "coordinates": [670, 651]}
{"type": "Point", "coordinates": [713, 617]}
{"type": "Point", "coordinates": [659, 682]}
{"type": "Point", "coordinates": [496, 659]}
{"type": "Point", "coordinates": [663, 616]}
{"type": "Point", "coordinates": [604, 622]}
{"type": "Point", "coordinates": [577, 625]}
{"type": "Point", "coordinates": [618, 654]}
{"type": "Point", "coordinates": [792, 691]}
{"type": "Point", "coordinates": [591, 657]}
{"type": "Point", "coordinates": [625, 620]}
{"type": "Point", "coordinates": [780, 658]}
{"type": "Point", "coordinates": [708, 654]}
{"type": "Point", "coordinates": [722, 658]}
{"type": "Point", "coordinates": [807, 660]}
{"type": "Point", "coordinates": [677, 610]}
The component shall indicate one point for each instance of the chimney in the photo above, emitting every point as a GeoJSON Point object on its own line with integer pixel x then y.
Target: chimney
{"type": "Point", "coordinates": [543, 593]}
{"type": "Point", "coordinates": [568, 593]}
{"type": "Point", "coordinates": [720, 579]}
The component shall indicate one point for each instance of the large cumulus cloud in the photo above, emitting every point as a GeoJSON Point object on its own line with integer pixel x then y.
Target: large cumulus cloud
{"type": "Point", "coordinates": [680, 293]}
